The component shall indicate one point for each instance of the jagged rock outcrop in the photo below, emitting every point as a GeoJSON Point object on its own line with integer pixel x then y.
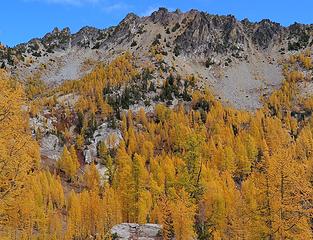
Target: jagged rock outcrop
{"type": "Point", "coordinates": [57, 39]}
{"type": "Point", "coordinates": [267, 33]}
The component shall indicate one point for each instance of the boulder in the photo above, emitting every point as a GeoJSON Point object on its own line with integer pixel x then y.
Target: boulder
{"type": "Point", "coordinates": [42, 124]}
{"type": "Point", "coordinates": [104, 134]}
{"type": "Point", "coordinates": [50, 147]}
{"type": "Point", "coordinates": [127, 231]}
{"type": "Point", "coordinates": [87, 156]}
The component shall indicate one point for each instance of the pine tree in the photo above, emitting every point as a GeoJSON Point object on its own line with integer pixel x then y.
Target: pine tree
{"type": "Point", "coordinates": [74, 216]}
{"type": "Point", "coordinates": [19, 153]}
{"type": "Point", "coordinates": [75, 161]}
{"type": "Point", "coordinates": [122, 182]}
{"type": "Point", "coordinates": [183, 213]}
{"type": "Point", "coordinates": [164, 217]}
{"type": "Point", "coordinates": [141, 199]}
{"type": "Point", "coordinates": [92, 177]}
{"type": "Point", "coordinates": [67, 164]}
{"type": "Point", "coordinates": [103, 153]}
{"type": "Point", "coordinates": [80, 141]}
{"type": "Point", "coordinates": [284, 192]}
{"type": "Point", "coordinates": [112, 208]}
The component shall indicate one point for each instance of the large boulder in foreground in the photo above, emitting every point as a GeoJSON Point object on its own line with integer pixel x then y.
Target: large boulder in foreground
{"type": "Point", "coordinates": [129, 231]}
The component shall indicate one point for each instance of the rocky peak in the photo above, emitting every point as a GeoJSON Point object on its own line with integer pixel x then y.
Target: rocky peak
{"type": "Point", "coordinates": [246, 22]}
{"type": "Point", "coordinates": [57, 33]}
{"type": "Point", "coordinates": [130, 17]}
{"type": "Point", "coordinates": [57, 39]}
{"type": "Point", "coordinates": [178, 11]}
{"type": "Point", "coordinates": [164, 17]}
{"type": "Point", "coordinates": [125, 29]}
{"type": "Point", "coordinates": [159, 15]}
{"type": "Point", "coordinates": [87, 31]}
{"type": "Point", "coordinates": [298, 28]}
{"type": "Point", "coordinates": [207, 34]}
{"type": "Point", "coordinates": [266, 32]}
{"type": "Point", "coordinates": [86, 37]}
{"type": "Point", "coordinates": [300, 36]}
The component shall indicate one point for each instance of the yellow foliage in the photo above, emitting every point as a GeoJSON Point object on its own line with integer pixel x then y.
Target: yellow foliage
{"type": "Point", "coordinates": [19, 152]}
{"type": "Point", "coordinates": [205, 171]}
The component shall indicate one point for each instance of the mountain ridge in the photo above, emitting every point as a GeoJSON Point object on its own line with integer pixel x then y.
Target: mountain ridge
{"type": "Point", "coordinates": [162, 9]}
{"type": "Point", "coordinates": [218, 49]}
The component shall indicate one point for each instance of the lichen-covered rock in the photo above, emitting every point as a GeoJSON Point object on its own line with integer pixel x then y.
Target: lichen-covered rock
{"type": "Point", "coordinates": [42, 124]}
{"type": "Point", "coordinates": [50, 147]}
{"type": "Point", "coordinates": [127, 231]}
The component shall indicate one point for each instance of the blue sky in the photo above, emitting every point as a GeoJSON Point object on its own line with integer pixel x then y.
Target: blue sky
{"type": "Point", "coordinates": [22, 20]}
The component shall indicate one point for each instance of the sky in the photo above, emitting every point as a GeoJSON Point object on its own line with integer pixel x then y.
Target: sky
{"type": "Point", "coordinates": [22, 20]}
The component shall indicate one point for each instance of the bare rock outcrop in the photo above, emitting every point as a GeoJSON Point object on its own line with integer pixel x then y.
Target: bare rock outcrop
{"type": "Point", "coordinates": [130, 231]}
{"type": "Point", "coordinates": [50, 147]}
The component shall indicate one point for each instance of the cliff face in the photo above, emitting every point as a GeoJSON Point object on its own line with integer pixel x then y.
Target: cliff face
{"type": "Point", "coordinates": [217, 49]}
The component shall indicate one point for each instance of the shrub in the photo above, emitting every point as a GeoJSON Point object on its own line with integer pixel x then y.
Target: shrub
{"type": "Point", "coordinates": [176, 26]}
{"type": "Point", "coordinates": [133, 44]}
{"type": "Point", "coordinates": [209, 62]}
{"type": "Point", "coordinates": [176, 51]}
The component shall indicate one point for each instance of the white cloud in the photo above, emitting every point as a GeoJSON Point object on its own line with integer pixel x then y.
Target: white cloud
{"type": "Point", "coordinates": [67, 2]}
{"type": "Point", "coordinates": [106, 5]}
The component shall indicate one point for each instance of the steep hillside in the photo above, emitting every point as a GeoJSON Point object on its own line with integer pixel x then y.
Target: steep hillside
{"type": "Point", "coordinates": [239, 60]}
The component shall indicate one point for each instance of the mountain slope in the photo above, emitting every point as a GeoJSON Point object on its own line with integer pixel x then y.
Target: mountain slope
{"type": "Point", "coordinates": [239, 60]}
{"type": "Point", "coordinates": [140, 147]}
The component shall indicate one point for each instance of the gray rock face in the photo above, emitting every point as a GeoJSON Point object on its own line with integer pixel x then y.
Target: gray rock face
{"type": "Point", "coordinates": [127, 231]}
{"type": "Point", "coordinates": [50, 147]}
{"type": "Point", "coordinates": [88, 37]}
{"type": "Point", "coordinates": [105, 134]}
{"type": "Point", "coordinates": [208, 34]}
{"type": "Point", "coordinates": [164, 17]}
{"type": "Point", "coordinates": [111, 137]}
{"type": "Point", "coordinates": [50, 143]}
{"type": "Point", "coordinates": [87, 156]}
{"type": "Point", "coordinates": [267, 32]}
{"type": "Point", "coordinates": [42, 124]}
